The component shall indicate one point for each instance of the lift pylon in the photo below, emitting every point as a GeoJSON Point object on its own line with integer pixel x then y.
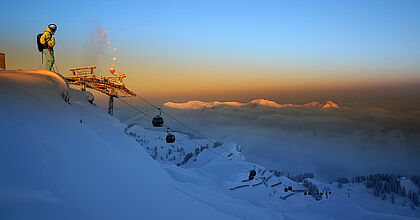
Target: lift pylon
{"type": "Point", "coordinates": [113, 86]}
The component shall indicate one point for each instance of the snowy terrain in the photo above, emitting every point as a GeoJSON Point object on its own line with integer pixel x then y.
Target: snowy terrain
{"type": "Point", "coordinates": [63, 158]}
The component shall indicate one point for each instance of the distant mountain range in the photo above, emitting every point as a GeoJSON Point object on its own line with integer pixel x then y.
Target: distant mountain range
{"type": "Point", "coordinates": [194, 105]}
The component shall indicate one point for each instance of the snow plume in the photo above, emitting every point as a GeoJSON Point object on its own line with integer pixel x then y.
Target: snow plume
{"type": "Point", "coordinates": [102, 49]}
{"type": "Point", "coordinates": [330, 142]}
{"type": "Point", "coordinates": [96, 43]}
{"type": "Point", "coordinates": [102, 39]}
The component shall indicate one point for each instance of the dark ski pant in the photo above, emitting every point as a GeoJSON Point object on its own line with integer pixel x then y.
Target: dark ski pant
{"type": "Point", "coordinates": [48, 59]}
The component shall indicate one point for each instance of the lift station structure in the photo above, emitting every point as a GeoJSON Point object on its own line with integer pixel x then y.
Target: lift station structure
{"type": "Point", "coordinates": [113, 86]}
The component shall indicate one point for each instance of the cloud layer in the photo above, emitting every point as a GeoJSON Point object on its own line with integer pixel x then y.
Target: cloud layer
{"type": "Point", "coordinates": [323, 138]}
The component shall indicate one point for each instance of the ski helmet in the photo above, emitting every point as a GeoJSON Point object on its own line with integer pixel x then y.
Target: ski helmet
{"type": "Point", "coordinates": [52, 27]}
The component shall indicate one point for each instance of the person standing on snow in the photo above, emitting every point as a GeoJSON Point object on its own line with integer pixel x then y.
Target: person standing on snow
{"type": "Point", "coordinates": [48, 42]}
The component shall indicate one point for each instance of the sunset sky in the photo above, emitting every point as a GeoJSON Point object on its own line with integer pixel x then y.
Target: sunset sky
{"type": "Point", "coordinates": [356, 52]}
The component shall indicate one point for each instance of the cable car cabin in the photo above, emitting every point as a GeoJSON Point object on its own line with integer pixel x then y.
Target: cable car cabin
{"type": "Point", "coordinates": [157, 121]}
{"type": "Point", "coordinates": [252, 174]}
{"type": "Point", "coordinates": [170, 138]}
{"type": "Point", "coordinates": [286, 189]}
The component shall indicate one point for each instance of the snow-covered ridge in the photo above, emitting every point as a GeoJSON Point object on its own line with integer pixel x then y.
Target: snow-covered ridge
{"type": "Point", "coordinates": [194, 105]}
{"type": "Point", "coordinates": [377, 193]}
{"type": "Point", "coordinates": [184, 152]}
{"type": "Point", "coordinates": [63, 158]}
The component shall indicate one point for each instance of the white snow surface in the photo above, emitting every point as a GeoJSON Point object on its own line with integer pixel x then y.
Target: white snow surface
{"type": "Point", "coordinates": [70, 160]}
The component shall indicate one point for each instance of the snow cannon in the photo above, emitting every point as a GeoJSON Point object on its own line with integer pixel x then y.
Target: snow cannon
{"type": "Point", "coordinates": [252, 174]}
{"type": "Point", "coordinates": [112, 70]}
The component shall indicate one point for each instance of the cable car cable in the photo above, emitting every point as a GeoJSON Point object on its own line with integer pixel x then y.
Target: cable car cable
{"type": "Point", "coordinates": [135, 108]}
{"type": "Point", "coordinates": [183, 124]}
{"type": "Point", "coordinates": [199, 144]}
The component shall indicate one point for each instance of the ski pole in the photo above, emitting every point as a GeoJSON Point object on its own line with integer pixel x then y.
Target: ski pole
{"type": "Point", "coordinates": [56, 68]}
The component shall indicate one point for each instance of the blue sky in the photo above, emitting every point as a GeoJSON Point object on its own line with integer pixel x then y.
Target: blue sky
{"type": "Point", "coordinates": [381, 36]}
{"type": "Point", "coordinates": [333, 31]}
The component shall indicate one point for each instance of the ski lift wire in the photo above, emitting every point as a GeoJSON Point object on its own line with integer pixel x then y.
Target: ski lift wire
{"type": "Point", "coordinates": [183, 124]}
{"type": "Point", "coordinates": [199, 144]}
{"type": "Point", "coordinates": [135, 108]}
{"type": "Point", "coordinates": [137, 115]}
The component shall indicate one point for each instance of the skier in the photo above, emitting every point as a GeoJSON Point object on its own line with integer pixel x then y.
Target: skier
{"type": "Point", "coordinates": [47, 42]}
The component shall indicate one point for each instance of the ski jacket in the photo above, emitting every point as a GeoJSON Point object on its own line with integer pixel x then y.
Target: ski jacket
{"type": "Point", "coordinates": [47, 37]}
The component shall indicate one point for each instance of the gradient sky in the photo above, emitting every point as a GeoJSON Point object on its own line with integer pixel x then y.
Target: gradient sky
{"type": "Point", "coordinates": [233, 50]}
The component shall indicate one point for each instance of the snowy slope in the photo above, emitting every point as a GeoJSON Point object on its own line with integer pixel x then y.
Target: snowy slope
{"type": "Point", "coordinates": [63, 160]}
{"type": "Point", "coordinates": [207, 171]}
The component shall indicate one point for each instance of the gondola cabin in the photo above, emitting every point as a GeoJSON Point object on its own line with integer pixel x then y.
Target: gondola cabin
{"type": "Point", "coordinates": [170, 138]}
{"type": "Point", "coordinates": [252, 174]}
{"type": "Point", "coordinates": [157, 121]}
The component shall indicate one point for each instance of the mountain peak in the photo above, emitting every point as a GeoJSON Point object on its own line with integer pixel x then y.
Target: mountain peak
{"type": "Point", "coordinates": [265, 102]}
{"type": "Point", "coordinates": [195, 105]}
{"type": "Point", "coordinates": [330, 104]}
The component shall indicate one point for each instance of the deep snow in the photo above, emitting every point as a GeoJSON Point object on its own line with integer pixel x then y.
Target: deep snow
{"type": "Point", "coordinates": [63, 158]}
{"type": "Point", "coordinates": [72, 161]}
